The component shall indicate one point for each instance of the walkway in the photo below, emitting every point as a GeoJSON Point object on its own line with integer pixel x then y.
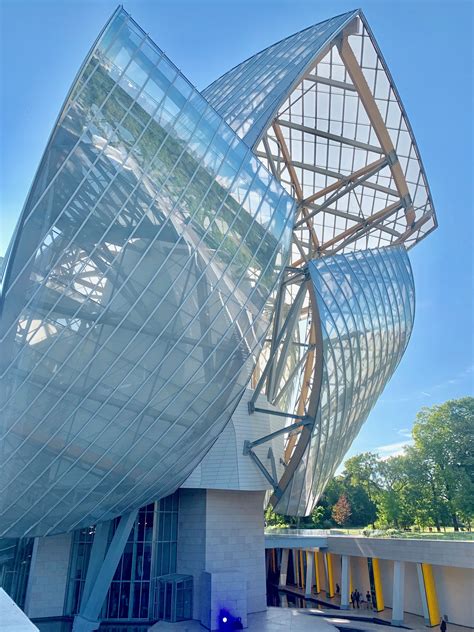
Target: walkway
{"type": "Point", "coordinates": [273, 620]}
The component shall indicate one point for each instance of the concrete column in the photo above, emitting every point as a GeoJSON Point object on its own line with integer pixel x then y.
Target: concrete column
{"type": "Point", "coordinates": [88, 618]}
{"type": "Point", "coordinates": [220, 540]}
{"type": "Point", "coordinates": [424, 603]}
{"type": "Point", "coordinates": [398, 592]}
{"type": "Point", "coordinates": [283, 567]}
{"type": "Point", "coordinates": [296, 566]}
{"type": "Point", "coordinates": [48, 576]}
{"type": "Point", "coordinates": [345, 581]}
{"type": "Point", "coordinates": [309, 573]}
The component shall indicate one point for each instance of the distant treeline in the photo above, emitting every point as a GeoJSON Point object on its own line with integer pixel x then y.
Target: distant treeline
{"type": "Point", "coordinates": [430, 485]}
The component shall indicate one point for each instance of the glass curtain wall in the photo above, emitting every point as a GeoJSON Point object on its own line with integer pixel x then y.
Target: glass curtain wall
{"type": "Point", "coordinates": [15, 561]}
{"type": "Point", "coordinates": [149, 553]}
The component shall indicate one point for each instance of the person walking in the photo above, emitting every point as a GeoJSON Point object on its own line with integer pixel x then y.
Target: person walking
{"type": "Point", "coordinates": [357, 596]}
{"type": "Point", "coordinates": [368, 598]}
{"type": "Point", "coordinates": [443, 626]}
{"type": "Point", "coordinates": [353, 599]}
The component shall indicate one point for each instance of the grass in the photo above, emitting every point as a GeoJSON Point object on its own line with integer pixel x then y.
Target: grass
{"type": "Point", "coordinates": [448, 534]}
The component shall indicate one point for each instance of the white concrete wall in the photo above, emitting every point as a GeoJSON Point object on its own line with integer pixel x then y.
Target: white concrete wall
{"type": "Point", "coordinates": [191, 556]}
{"type": "Point", "coordinates": [235, 540]}
{"type": "Point", "coordinates": [226, 467]}
{"type": "Point", "coordinates": [454, 587]}
{"type": "Point", "coordinates": [48, 576]}
{"type": "Point", "coordinates": [221, 531]}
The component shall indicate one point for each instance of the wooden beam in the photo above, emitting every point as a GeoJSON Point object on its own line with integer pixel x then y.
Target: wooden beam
{"type": "Point", "coordinates": [413, 228]}
{"type": "Point", "coordinates": [294, 179]}
{"type": "Point", "coordinates": [337, 185]}
{"type": "Point", "coordinates": [364, 224]}
{"type": "Point", "coordinates": [357, 77]}
{"type": "Point", "coordinates": [301, 408]}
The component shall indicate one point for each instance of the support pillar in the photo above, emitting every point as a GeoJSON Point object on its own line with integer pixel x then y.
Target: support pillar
{"type": "Point", "coordinates": [329, 576]}
{"type": "Point", "coordinates": [316, 572]}
{"type": "Point", "coordinates": [102, 573]}
{"type": "Point", "coordinates": [345, 581]}
{"type": "Point", "coordinates": [398, 592]}
{"type": "Point", "coordinates": [309, 573]}
{"type": "Point", "coordinates": [429, 599]}
{"type": "Point", "coordinates": [283, 567]}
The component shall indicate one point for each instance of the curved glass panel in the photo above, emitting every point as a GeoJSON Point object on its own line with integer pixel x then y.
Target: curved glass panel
{"type": "Point", "coordinates": [321, 110]}
{"type": "Point", "coordinates": [366, 306]}
{"type": "Point", "coordinates": [247, 94]}
{"type": "Point", "coordinates": [137, 292]}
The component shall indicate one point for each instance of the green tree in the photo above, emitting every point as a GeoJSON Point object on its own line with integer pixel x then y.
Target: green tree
{"type": "Point", "coordinates": [444, 442]}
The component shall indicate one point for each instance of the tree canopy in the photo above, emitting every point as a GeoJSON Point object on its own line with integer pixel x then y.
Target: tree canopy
{"type": "Point", "coordinates": [430, 485]}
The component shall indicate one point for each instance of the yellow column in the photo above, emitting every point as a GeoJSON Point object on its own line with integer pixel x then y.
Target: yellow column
{"type": "Point", "coordinates": [351, 586]}
{"type": "Point", "coordinates": [330, 587]}
{"type": "Point", "coordinates": [380, 605]}
{"type": "Point", "coordinates": [431, 596]}
{"type": "Point", "coordinates": [316, 572]}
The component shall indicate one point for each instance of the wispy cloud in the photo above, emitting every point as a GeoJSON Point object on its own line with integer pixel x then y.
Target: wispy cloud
{"type": "Point", "coordinates": [393, 449]}
{"type": "Point", "coordinates": [459, 377]}
{"type": "Point", "coordinates": [433, 390]}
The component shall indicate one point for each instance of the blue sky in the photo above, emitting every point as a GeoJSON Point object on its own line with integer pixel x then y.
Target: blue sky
{"type": "Point", "coordinates": [428, 48]}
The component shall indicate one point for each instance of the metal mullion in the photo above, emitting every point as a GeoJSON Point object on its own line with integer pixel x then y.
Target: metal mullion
{"type": "Point", "coordinates": [389, 353]}
{"type": "Point", "coordinates": [340, 337]}
{"type": "Point", "coordinates": [209, 405]}
{"type": "Point", "coordinates": [61, 168]}
{"type": "Point", "coordinates": [294, 307]}
{"type": "Point", "coordinates": [115, 258]}
{"type": "Point", "coordinates": [287, 342]}
{"type": "Point", "coordinates": [64, 252]}
{"type": "Point", "coordinates": [331, 136]}
{"type": "Point", "coordinates": [293, 373]}
{"type": "Point", "coordinates": [221, 369]}
{"type": "Point", "coordinates": [276, 326]}
{"type": "Point", "coordinates": [126, 315]}
{"type": "Point", "coordinates": [402, 322]}
{"type": "Point", "coordinates": [156, 307]}
{"type": "Point", "coordinates": [350, 186]}
{"type": "Point", "coordinates": [356, 358]}
{"type": "Point", "coordinates": [69, 100]}
{"type": "Point", "coordinates": [240, 105]}
{"type": "Point", "coordinates": [376, 353]}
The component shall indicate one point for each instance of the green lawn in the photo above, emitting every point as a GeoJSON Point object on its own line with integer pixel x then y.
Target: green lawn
{"type": "Point", "coordinates": [449, 534]}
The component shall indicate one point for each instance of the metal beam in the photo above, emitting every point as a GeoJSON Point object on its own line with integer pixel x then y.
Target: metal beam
{"type": "Point", "coordinates": [343, 85]}
{"type": "Point", "coordinates": [381, 162]}
{"type": "Point", "coordinates": [332, 174]}
{"type": "Point", "coordinates": [286, 429]}
{"type": "Point", "coordinates": [334, 137]}
{"type": "Point", "coordinates": [350, 186]}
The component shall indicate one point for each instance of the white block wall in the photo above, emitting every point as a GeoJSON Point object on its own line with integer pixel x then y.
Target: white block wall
{"type": "Point", "coordinates": [225, 466]}
{"type": "Point", "coordinates": [221, 531]}
{"type": "Point", "coordinates": [48, 576]}
{"type": "Point", "coordinates": [454, 587]}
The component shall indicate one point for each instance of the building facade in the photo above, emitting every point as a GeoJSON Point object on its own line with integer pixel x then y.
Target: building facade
{"type": "Point", "coordinates": [205, 292]}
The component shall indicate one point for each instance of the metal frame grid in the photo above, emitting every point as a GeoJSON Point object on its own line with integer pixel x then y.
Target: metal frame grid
{"type": "Point", "coordinates": [137, 294]}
